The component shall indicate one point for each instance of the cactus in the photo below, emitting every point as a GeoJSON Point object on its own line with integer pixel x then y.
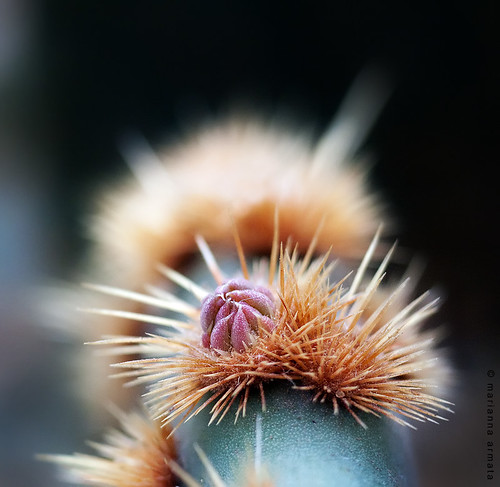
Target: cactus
{"type": "Point", "coordinates": [286, 372]}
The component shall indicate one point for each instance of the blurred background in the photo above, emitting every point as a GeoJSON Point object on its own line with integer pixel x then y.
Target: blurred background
{"type": "Point", "coordinates": [75, 76]}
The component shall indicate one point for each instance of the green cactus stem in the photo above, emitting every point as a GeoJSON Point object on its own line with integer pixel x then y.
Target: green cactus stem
{"type": "Point", "coordinates": [298, 443]}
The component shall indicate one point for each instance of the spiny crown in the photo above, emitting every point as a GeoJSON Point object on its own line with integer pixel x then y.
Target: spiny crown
{"type": "Point", "coordinates": [301, 328]}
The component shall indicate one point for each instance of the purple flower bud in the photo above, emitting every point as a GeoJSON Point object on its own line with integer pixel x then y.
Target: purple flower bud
{"type": "Point", "coordinates": [231, 317]}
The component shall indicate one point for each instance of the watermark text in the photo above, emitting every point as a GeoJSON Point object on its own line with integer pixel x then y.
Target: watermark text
{"type": "Point", "coordinates": [490, 426]}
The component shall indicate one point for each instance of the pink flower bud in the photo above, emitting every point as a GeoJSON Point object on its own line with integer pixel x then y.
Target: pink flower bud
{"type": "Point", "coordinates": [231, 317]}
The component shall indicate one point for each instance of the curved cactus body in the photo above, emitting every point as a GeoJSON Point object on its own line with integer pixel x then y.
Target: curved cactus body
{"type": "Point", "coordinates": [297, 442]}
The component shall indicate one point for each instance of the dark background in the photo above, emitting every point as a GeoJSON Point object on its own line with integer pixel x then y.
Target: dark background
{"type": "Point", "coordinates": [88, 71]}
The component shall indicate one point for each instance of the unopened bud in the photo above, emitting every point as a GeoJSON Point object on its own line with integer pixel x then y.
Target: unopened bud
{"type": "Point", "coordinates": [231, 317]}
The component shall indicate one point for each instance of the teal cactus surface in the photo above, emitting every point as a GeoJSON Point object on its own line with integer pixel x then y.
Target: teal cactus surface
{"type": "Point", "coordinates": [298, 442]}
